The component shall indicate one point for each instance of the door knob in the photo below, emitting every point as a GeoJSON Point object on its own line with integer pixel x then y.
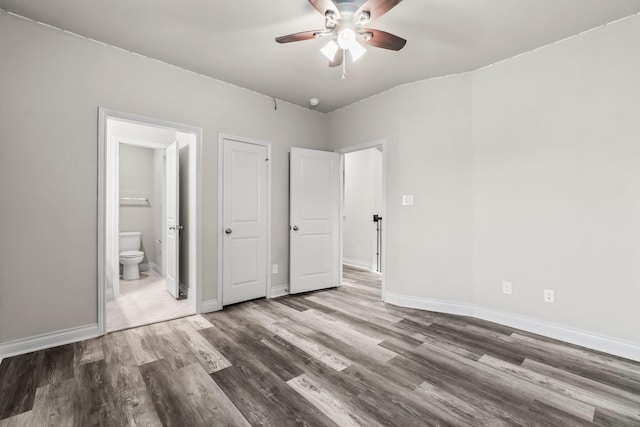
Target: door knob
{"type": "Point", "coordinates": [228, 231]}
{"type": "Point", "coordinates": [295, 228]}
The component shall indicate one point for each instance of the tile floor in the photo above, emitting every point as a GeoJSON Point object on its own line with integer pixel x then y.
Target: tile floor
{"type": "Point", "coordinates": [144, 301]}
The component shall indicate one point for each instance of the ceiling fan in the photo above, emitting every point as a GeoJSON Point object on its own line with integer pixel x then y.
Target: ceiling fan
{"type": "Point", "coordinates": [344, 22]}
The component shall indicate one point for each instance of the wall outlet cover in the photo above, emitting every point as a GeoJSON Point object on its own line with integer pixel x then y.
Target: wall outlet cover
{"type": "Point", "coordinates": [549, 295]}
{"type": "Point", "coordinates": [507, 288]}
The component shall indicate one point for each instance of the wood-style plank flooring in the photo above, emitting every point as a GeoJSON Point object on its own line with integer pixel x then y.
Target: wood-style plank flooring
{"type": "Point", "coordinates": [338, 357]}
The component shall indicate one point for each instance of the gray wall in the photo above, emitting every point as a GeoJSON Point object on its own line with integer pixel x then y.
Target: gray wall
{"type": "Point", "coordinates": [52, 85]}
{"type": "Point", "coordinates": [362, 199]}
{"type": "Point", "coordinates": [535, 164]}
{"type": "Point", "coordinates": [136, 180]}
{"type": "Point", "coordinates": [556, 146]}
{"type": "Point", "coordinates": [428, 129]}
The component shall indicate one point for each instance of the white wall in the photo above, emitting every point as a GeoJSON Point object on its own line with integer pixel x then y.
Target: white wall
{"type": "Point", "coordinates": [556, 139]}
{"type": "Point", "coordinates": [362, 199]}
{"type": "Point", "coordinates": [52, 85]}
{"type": "Point", "coordinates": [535, 164]}
{"type": "Point", "coordinates": [136, 181]}
{"type": "Point", "coordinates": [427, 126]}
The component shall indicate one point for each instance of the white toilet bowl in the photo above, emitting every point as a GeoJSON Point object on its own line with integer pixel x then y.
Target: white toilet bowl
{"type": "Point", "coordinates": [130, 255]}
{"type": "Point", "coordinates": [130, 261]}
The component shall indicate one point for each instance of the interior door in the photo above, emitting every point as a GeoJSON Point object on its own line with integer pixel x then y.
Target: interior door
{"type": "Point", "coordinates": [172, 220]}
{"type": "Point", "coordinates": [244, 248]}
{"type": "Point", "coordinates": [314, 259]}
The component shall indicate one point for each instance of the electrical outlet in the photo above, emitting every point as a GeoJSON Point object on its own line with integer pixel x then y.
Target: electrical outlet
{"type": "Point", "coordinates": [507, 288]}
{"type": "Point", "coordinates": [274, 269]}
{"type": "Point", "coordinates": [549, 295]}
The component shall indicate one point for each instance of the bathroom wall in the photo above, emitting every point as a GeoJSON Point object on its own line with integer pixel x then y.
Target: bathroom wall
{"type": "Point", "coordinates": [362, 199]}
{"type": "Point", "coordinates": [136, 180]}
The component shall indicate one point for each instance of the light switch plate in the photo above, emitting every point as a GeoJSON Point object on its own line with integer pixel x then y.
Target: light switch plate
{"type": "Point", "coordinates": [407, 200]}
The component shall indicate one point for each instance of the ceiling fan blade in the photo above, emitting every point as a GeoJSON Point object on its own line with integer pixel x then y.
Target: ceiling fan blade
{"type": "Point", "coordinates": [377, 8]}
{"type": "Point", "coordinates": [379, 38]}
{"type": "Point", "coordinates": [297, 37]}
{"type": "Point", "coordinates": [337, 60]}
{"type": "Point", "coordinates": [323, 5]}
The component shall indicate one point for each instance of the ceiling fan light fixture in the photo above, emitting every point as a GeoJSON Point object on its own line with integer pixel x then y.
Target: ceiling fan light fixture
{"type": "Point", "coordinates": [330, 50]}
{"type": "Point", "coordinates": [330, 19]}
{"type": "Point", "coordinates": [364, 17]}
{"type": "Point", "coordinates": [357, 50]}
{"type": "Point", "coordinates": [347, 39]}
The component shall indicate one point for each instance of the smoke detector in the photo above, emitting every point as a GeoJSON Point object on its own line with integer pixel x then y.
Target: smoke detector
{"type": "Point", "coordinates": [314, 102]}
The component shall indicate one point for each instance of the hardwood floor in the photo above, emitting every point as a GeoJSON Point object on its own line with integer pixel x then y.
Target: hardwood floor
{"type": "Point", "coordinates": [336, 357]}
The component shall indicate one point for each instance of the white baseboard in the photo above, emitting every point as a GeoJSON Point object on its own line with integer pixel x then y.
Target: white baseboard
{"type": "Point", "coordinates": [359, 263]}
{"type": "Point", "coordinates": [210, 305]}
{"type": "Point", "coordinates": [279, 290]}
{"type": "Point", "coordinates": [462, 309]}
{"type": "Point", "coordinates": [615, 346]}
{"type": "Point", "coordinates": [109, 293]}
{"type": "Point", "coordinates": [184, 290]}
{"type": "Point", "coordinates": [52, 339]}
{"type": "Point", "coordinates": [155, 267]}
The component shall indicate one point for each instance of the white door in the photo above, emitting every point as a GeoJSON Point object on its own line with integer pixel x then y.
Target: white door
{"type": "Point", "coordinates": [244, 219]}
{"type": "Point", "coordinates": [314, 260]}
{"type": "Point", "coordinates": [172, 220]}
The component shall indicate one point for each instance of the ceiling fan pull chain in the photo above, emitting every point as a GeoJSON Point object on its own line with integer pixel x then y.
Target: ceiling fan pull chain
{"type": "Point", "coordinates": [344, 64]}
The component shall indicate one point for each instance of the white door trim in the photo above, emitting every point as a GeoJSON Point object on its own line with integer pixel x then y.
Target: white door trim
{"type": "Point", "coordinates": [171, 218]}
{"type": "Point", "coordinates": [342, 151]}
{"type": "Point", "coordinates": [219, 234]}
{"type": "Point", "coordinates": [196, 273]}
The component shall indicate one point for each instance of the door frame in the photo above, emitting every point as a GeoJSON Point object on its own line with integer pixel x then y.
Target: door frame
{"type": "Point", "coordinates": [104, 147]}
{"type": "Point", "coordinates": [116, 185]}
{"type": "Point", "coordinates": [359, 147]}
{"type": "Point", "coordinates": [220, 233]}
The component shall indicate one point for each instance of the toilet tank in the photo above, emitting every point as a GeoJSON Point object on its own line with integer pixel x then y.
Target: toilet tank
{"type": "Point", "coordinates": [129, 241]}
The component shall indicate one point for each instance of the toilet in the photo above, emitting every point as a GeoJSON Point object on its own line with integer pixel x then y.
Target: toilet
{"type": "Point", "coordinates": [130, 254]}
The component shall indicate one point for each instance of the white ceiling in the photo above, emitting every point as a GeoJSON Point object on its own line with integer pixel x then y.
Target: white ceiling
{"type": "Point", "coordinates": [234, 40]}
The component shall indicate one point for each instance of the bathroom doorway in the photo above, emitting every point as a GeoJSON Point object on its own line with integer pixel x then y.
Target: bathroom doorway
{"type": "Point", "coordinates": [363, 216]}
{"type": "Point", "coordinates": [149, 223]}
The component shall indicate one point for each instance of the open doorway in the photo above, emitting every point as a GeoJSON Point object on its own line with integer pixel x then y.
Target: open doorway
{"type": "Point", "coordinates": [149, 222]}
{"type": "Point", "coordinates": [363, 217]}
